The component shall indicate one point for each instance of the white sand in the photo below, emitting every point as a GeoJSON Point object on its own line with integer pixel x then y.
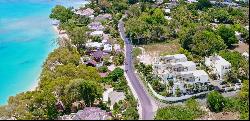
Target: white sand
{"type": "Point", "coordinates": [34, 86]}
{"type": "Point", "coordinates": [60, 35]}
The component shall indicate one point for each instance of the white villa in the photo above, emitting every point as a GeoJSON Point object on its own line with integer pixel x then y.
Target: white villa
{"type": "Point", "coordinates": [218, 64]}
{"type": "Point", "coordinates": [181, 71]}
{"type": "Point", "coordinates": [183, 66]}
{"type": "Point", "coordinates": [193, 76]}
{"type": "Point", "coordinates": [170, 59]}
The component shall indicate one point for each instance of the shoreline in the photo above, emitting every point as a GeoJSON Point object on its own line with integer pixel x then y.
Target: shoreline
{"type": "Point", "coordinates": [58, 35]}
{"type": "Point", "coordinates": [34, 86]}
{"type": "Point", "coordinates": [34, 83]}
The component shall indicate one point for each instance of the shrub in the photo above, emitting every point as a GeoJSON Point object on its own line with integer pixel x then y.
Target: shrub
{"type": "Point", "coordinates": [136, 52]}
{"type": "Point", "coordinates": [177, 113]}
{"type": "Point", "coordinates": [103, 69]}
{"type": "Point", "coordinates": [215, 101]}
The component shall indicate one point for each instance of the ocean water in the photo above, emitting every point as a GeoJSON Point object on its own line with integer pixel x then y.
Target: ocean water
{"type": "Point", "coordinates": [26, 39]}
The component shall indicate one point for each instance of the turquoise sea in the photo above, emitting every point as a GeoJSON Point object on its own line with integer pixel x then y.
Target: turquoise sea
{"type": "Point", "coordinates": [26, 39]}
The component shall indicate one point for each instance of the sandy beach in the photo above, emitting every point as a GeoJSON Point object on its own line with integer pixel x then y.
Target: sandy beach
{"type": "Point", "coordinates": [60, 35]}
{"type": "Point", "coordinates": [57, 31]}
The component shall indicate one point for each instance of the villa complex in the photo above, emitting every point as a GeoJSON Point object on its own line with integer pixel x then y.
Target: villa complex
{"type": "Point", "coordinates": [182, 73]}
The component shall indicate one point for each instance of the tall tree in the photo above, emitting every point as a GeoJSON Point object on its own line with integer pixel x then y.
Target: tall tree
{"type": "Point", "coordinates": [203, 43]}
{"type": "Point", "coordinates": [83, 90]}
{"type": "Point", "coordinates": [61, 13]}
{"type": "Point", "coordinates": [203, 4]}
{"type": "Point", "coordinates": [228, 35]}
{"type": "Point", "coordinates": [215, 101]}
{"type": "Point", "coordinates": [79, 36]}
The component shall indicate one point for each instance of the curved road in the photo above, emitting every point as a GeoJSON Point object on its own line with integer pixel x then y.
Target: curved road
{"type": "Point", "coordinates": [145, 102]}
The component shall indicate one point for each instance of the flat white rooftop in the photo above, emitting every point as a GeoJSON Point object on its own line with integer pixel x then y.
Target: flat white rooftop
{"type": "Point", "coordinates": [196, 73]}
{"type": "Point", "coordinates": [219, 60]}
{"type": "Point", "coordinates": [96, 33]}
{"type": "Point", "coordinates": [186, 63]}
{"type": "Point", "coordinates": [177, 56]}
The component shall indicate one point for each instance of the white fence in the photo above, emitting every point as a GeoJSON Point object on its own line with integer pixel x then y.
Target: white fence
{"type": "Point", "coordinates": [173, 99]}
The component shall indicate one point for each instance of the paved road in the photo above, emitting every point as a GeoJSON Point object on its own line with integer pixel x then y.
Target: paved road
{"type": "Point", "coordinates": [145, 102]}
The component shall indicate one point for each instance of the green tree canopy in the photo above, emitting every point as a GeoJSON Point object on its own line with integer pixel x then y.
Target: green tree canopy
{"type": "Point", "coordinates": [79, 36]}
{"type": "Point", "coordinates": [116, 74]}
{"type": "Point", "coordinates": [215, 101]}
{"type": "Point", "coordinates": [228, 35]}
{"type": "Point", "coordinates": [61, 13]}
{"type": "Point", "coordinates": [83, 90]}
{"type": "Point", "coordinates": [202, 43]}
{"type": "Point", "coordinates": [203, 4]}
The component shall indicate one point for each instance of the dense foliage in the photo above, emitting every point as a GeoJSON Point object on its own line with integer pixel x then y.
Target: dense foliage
{"type": "Point", "coordinates": [239, 64]}
{"type": "Point", "coordinates": [190, 111]}
{"type": "Point", "coordinates": [215, 101]}
{"type": "Point", "coordinates": [240, 103]}
{"type": "Point", "coordinates": [61, 13]}
{"type": "Point", "coordinates": [228, 35]}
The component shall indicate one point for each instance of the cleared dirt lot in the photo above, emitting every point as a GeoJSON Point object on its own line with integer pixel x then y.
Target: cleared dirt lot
{"type": "Point", "coordinates": [165, 48]}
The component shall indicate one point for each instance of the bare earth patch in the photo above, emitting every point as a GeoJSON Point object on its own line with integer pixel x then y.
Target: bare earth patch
{"type": "Point", "coordinates": [157, 49]}
{"type": "Point", "coordinates": [219, 116]}
{"type": "Point", "coordinates": [154, 50]}
{"type": "Point", "coordinates": [242, 47]}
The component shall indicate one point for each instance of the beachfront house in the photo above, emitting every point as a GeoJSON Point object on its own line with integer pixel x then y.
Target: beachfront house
{"type": "Point", "coordinates": [92, 113]}
{"type": "Point", "coordinates": [218, 65]}
{"type": "Point", "coordinates": [96, 26]}
{"type": "Point", "coordinates": [97, 33]}
{"type": "Point", "coordinates": [55, 22]}
{"type": "Point", "coordinates": [85, 12]}
{"type": "Point", "coordinates": [103, 17]}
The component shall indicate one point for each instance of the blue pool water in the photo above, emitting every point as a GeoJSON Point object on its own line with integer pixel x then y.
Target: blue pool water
{"type": "Point", "coordinates": [26, 39]}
